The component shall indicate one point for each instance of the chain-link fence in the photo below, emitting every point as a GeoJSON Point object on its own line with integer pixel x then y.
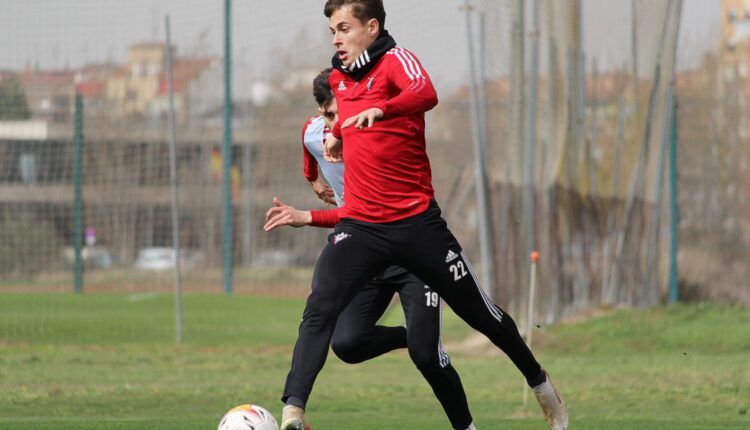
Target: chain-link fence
{"type": "Point", "coordinates": [578, 119]}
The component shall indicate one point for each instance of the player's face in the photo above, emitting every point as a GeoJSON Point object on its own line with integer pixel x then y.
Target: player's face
{"type": "Point", "coordinates": [350, 35]}
{"type": "Point", "coordinates": [330, 113]}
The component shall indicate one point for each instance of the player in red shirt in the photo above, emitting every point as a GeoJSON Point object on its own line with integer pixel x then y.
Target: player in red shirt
{"type": "Point", "coordinates": [357, 337]}
{"type": "Point", "coordinates": [390, 216]}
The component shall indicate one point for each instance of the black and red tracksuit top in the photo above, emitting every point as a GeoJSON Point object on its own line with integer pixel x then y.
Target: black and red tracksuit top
{"type": "Point", "coordinates": [387, 175]}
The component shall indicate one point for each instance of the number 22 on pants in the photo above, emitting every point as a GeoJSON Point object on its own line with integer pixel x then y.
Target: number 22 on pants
{"type": "Point", "coordinates": [458, 270]}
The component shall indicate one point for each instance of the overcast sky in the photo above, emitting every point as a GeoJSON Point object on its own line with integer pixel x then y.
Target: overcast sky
{"type": "Point", "coordinates": [272, 34]}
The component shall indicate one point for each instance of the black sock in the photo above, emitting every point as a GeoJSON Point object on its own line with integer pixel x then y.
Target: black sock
{"type": "Point", "coordinates": [295, 401]}
{"type": "Point", "coordinates": [538, 380]}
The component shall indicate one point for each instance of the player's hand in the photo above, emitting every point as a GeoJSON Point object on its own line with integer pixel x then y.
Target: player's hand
{"type": "Point", "coordinates": [281, 215]}
{"type": "Point", "coordinates": [323, 191]}
{"type": "Point", "coordinates": [333, 150]}
{"type": "Point", "coordinates": [363, 119]}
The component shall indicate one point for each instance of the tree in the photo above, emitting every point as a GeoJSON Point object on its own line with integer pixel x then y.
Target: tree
{"type": "Point", "coordinates": [13, 105]}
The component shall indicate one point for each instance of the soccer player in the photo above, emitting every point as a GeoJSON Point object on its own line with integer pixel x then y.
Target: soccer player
{"type": "Point", "coordinates": [356, 336]}
{"type": "Point", "coordinates": [390, 216]}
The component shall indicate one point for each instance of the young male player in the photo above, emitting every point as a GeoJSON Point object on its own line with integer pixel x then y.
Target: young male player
{"type": "Point", "coordinates": [356, 336]}
{"type": "Point", "coordinates": [390, 216]}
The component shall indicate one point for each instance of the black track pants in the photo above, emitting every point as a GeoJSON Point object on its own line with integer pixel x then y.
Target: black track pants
{"type": "Point", "coordinates": [423, 245]}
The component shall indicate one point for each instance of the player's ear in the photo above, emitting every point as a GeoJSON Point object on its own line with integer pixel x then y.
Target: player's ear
{"type": "Point", "coordinates": [373, 27]}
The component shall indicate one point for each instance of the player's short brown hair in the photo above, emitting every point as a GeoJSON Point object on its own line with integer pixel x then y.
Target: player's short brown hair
{"type": "Point", "coordinates": [322, 89]}
{"type": "Point", "coordinates": [363, 10]}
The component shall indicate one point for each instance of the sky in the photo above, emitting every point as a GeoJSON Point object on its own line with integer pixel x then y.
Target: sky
{"type": "Point", "coordinates": [272, 35]}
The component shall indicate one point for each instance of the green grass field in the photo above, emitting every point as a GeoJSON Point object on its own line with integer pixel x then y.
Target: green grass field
{"type": "Point", "coordinates": [110, 362]}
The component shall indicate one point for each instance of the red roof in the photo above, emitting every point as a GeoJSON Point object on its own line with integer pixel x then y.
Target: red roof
{"type": "Point", "coordinates": [41, 78]}
{"type": "Point", "coordinates": [91, 89]}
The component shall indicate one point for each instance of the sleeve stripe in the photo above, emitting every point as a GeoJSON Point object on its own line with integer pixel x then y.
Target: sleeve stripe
{"type": "Point", "coordinates": [403, 63]}
{"type": "Point", "coordinates": [410, 59]}
{"type": "Point", "coordinates": [419, 83]}
{"type": "Point", "coordinates": [414, 74]}
{"type": "Point", "coordinates": [412, 62]}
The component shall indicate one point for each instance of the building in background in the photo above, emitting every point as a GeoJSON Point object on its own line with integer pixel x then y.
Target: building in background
{"type": "Point", "coordinates": [91, 84]}
{"type": "Point", "coordinates": [132, 88]}
{"type": "Point", "coordinates": [137, 89]}
{"type": "Point", "coordinates": [49, 94]}
{"type": "Point", "coordinates": [734, 92]}
{"type": "Point", "coordinates": [186, 70]}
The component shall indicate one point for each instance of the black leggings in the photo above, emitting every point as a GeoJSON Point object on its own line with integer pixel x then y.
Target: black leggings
{"type": "Point", "coordinates": [423, 245]}
{"type": "Point", "coordinates": [357, 338]}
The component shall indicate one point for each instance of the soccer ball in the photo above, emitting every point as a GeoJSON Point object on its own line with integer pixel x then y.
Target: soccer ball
{"type": "Point", "coordinates": [248, 417]}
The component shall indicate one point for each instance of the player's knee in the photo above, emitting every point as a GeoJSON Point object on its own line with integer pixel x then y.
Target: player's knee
{"type": "Point", "coordinates": [423, 357]}
{"type": "Point", "coordinates": [347, 347]}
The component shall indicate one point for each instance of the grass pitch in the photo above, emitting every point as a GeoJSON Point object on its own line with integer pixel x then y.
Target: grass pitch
{"type": "Point", "coordinates": [110, 362]}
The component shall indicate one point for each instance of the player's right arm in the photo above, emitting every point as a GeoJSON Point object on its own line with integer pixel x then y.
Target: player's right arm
{"type": "Point", "coordinates": [284, 215]}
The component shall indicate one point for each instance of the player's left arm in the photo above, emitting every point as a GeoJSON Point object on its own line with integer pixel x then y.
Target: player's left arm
{"type": "Point", "coordinates": [417, 94]}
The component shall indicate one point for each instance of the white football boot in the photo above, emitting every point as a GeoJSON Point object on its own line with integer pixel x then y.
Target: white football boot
{"type": "Point", "coordinates": [292, 418]}
{"type": "Point", "coordinates": [553, 405]}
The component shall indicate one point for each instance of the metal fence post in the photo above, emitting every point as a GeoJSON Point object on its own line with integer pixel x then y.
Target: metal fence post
{"type": "Point", "coordinates": [173, 183]}
{"type": "Point", "coordinates": [227, 151]}
{"type": "Point", "coordinates": [78, 196]}
{"type": "Point", "coordinates": [674, 210]}
{"type": "Point", "coordinates": [482, 189]}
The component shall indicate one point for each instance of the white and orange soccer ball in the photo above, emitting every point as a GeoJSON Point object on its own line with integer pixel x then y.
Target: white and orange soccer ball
{"type": "Point", "coordinates": [248, 417]}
